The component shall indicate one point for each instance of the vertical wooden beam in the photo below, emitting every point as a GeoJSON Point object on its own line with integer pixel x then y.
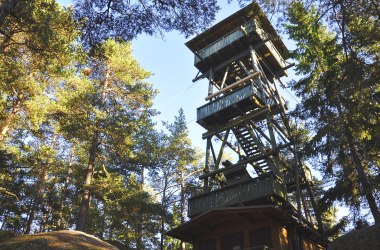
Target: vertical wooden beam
{"type": "Point", "coordinates": [246, 239]}
{"type": "Point", "coordinates": [207, 169]}
{"type": "Point", "coordinates": [270, 130]}
{"type": "Point", "coordinates": [297, 175]}
{"type": "Point", "coordinates": [275, 233]}
{"type": "Point", "coordinates": [211, 81]}
{"type": "Point", "coordinates": [218, 243]}
{"type": "Point", "coordinates": [256, 68]}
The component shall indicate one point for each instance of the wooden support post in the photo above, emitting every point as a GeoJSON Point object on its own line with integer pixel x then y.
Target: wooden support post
{"type": "Point", "coordinates": [280, 131]}
{"type": "Point", "coordinates": [260, 131]}
{"type": "Point", "coordinates": [211, 82]}
{"type": "Point", "coordinates": [217, 163]}
{"type": "Point", "coordinates": [244, 68]}
{"type": "Point", "coordinates": [270, 130]}
{"type": "Point", "coordinates": [213, 154]}
{"type": "Point", "coordinates": [207, 170]}
{"type": "Point", "coordinates": [256, 68]}
{"type": "Point", "coordinates": [225, 77]}
{"type": "Point", "coordinates": [297, 175]}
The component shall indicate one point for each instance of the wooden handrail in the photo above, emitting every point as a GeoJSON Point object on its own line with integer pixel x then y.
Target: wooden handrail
{"type": "Point", "coordinates": [233, 85]}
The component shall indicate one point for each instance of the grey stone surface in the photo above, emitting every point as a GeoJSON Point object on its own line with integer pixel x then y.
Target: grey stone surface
{"type": "Point", "coordinates": [363, 239]}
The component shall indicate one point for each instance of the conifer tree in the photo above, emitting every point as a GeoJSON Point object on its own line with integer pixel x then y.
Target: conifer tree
{"type": "Point", "coordinates": [36, 43]}
{"type": "Point", "coordinates": [339, 103]}
{"type": "Point", "coordinates": [106, 107]}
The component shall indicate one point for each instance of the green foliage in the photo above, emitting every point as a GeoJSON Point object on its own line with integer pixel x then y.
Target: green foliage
{"type": "Point", "coordinates": [339, 103]}
{"type": "Point", "coordinates": [36, 40]}
{"type": "Point", "coordinates": [174, 178]}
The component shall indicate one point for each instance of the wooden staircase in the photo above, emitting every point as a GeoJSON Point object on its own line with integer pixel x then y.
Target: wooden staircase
{"type": "Point", "coordinates": [251, 146]}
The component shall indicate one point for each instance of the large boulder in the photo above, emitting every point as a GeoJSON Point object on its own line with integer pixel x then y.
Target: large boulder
{"type": "Point", "coordinates": [367, 238]}
{"type": "Point", "coordinates": [56, 240]}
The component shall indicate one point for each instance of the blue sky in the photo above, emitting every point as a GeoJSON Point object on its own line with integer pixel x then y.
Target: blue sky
{"type": "Point", "coordinates": [172, 65]}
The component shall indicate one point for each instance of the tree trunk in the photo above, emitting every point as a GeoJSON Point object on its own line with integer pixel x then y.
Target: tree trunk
{"type": "Point", "coordinates": [38, 200]}
{"type": "Point", "coordinates": [363, 178]}
{"type": "Point", "coordinates": [5, 127]}
{"type": "Point", "coordinates": [139, 243]}
{"type": "Point", "coordinates": [183, 244]}
{"type": "Point", "coordinates": [41, 186]}
{"type": "Point", "coordinates": [64, 190]}
{"type": "Point", "coordinates": [85, 204]}
{"type": "Point", "coordinates": [162, 230]}
{"type": "Point", "coordinates": [30, 217]}
{"type": "Point", "coordinates": [164, 206]}
{"type": "Point", "coordinates": [358, 166]}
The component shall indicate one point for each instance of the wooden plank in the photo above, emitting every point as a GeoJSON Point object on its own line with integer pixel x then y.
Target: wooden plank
{"type": "Point", "coordinates": [233, 123]}
{"type": "Point", "coordinates": [212, 108]}
{"type": "Point", "coordinates": [233, 59]}
{"type": "Point", "coordinates": [249, 190]}
{"type": "Point", "coordinates": [234, 85]}
{"type": "Point", "coordinates": [224, 41]}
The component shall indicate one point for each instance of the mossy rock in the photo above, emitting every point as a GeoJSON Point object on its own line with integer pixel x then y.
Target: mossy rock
{"type": "Point", "coordinates": [56, 240]}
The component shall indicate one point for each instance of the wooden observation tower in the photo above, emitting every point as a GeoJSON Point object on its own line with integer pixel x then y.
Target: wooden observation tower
{"type": "Point", "coordinates": [248, 204]}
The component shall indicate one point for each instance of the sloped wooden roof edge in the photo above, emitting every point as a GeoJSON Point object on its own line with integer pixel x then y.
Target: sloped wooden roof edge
{"type": "Point", "coordinates": [181, 232]}
{"type": "Point", "coordinates": [232, 22]}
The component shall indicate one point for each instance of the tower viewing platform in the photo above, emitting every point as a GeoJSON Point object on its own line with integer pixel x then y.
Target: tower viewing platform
{"type": "Point", "coordinates": [242, 57]}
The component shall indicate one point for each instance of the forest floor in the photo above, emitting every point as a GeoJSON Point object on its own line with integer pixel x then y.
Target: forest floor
{"type": "Point", "coordinates": [56, 240]}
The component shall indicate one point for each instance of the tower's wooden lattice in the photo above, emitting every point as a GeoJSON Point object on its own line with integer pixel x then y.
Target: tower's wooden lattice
{"type": "Point", "coordinates": [243, 58]}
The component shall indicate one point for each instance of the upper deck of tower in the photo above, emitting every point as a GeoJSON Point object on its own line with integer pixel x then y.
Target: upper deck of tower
{"type": "Point", "coordinates": [230, 38]}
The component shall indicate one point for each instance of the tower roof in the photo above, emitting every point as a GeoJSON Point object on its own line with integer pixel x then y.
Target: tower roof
{"type": "Point", "coordinates": [251, 11]}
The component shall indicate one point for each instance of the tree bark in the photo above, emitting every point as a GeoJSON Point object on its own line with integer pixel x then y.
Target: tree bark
{"type": "Point", "coordinates": [85, 204]}
{"type": "Point", "coordinates": [37, 201]}
{"type": "Point", "coordinates": [164, 206]}
{"type": "Point", "coordinates": [183, 244]}
{"type": "Point", "coordinates": [30, 217]}
{"type": "Point", "coordinates": [64, 190]}
{"type": "Point", "coordinates": [5, 127]}
{"type": "Point", "coordinates": [358, 166]}
{"type": "Point", "coordinates": [39, 196]}
{"type": "Point", "coordinates": [363, 178]}
{"type": "Point", "coordinates": [86, 195]}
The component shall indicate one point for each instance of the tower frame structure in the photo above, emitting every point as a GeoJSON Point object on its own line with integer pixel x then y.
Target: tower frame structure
{"type": "Point", "coordinates": [243, 58]}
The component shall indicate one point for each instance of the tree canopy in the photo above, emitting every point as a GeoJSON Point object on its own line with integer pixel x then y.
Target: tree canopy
{"type": "Point", "coordinates": [125, 20]}
{"type": "Point", "coordinates": [78, 145]}
{"type": "Point", "coordinates": [338, 89]}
